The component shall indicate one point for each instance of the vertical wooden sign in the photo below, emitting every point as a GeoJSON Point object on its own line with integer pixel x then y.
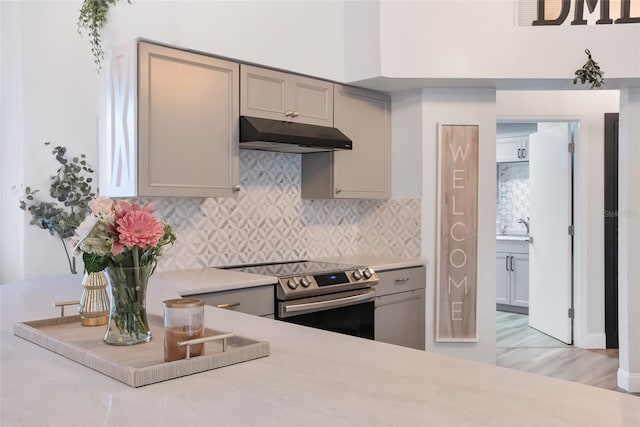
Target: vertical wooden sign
{"type": "Point", "coordinates": [456, 277]}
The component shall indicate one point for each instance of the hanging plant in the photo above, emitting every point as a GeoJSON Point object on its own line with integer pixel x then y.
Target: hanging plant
{"type": "Point", "coordinates": [93, 17]}
{"type": "Point", "coordinates": [589, 73]}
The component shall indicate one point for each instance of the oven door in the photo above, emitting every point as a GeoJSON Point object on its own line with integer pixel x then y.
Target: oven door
{"type": "Point", "coordinates": [349, 313]}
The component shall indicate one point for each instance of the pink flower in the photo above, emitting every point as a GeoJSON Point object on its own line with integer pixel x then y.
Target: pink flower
{"type": "Point", "coordinates": [124, 206]}
{"type": "Point", "coordinates": [101, 205]}
{"type": "Point", "coordinates": [137, 228]}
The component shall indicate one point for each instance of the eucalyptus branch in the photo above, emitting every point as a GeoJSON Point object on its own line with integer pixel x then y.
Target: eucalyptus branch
{"type": "Point", "coordinates": [70, 192]}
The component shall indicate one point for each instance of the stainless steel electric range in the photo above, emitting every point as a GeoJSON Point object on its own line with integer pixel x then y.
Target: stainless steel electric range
{"type": "Point", "coordinates": [329, 296]}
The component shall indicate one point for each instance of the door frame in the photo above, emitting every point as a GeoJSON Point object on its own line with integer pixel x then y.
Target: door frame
{"type": "Point", "coordinates": [577, 260]}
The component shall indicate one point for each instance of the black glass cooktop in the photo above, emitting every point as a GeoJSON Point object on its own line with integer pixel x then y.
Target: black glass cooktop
{"type": "Point", "coordinates": [291, 268]}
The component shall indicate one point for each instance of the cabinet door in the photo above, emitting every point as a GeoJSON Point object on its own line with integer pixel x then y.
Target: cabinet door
{"type": "Point", "coordinates": [365, 117]}
{"type": "Point", "coordinates": [187, 124]}
{"type": "Point", "coordinates": [365, 171]}
{"type": "Point", "coordinates": [399, 319]}
{"type": "Point", "coordinates": [507, 150]}
{"type": "Point", "coordinates": [520, 280]}
{"type": "Point", "coordinates": [503, 275]}
{"type": "Point", "coordinates": [524, 148]}
{"type": "Point", "coordinates": [312, 101]}
{"type": "Point", "coordinates": [276, 95]}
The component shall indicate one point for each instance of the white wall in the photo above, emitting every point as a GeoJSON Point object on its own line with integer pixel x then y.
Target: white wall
{"type": "Point", "coordinates": [302, 36]}
{"type": "Point", "coordinates": [362, 52]}
{"type": "Point", "coordinates": [51, 96]}
{"type": "Point", "coordinates": [587, 107]}
{"type": "Point", "coordinates": [455, 106]}
{"type": "Point", "coordinates": [479, 39]}
{"type": "Point", "coordinates": [629, 245]}
{"type": "Point", "coordinates": [406, 149]}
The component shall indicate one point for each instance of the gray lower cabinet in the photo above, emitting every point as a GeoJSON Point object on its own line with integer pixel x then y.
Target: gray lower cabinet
{"type": "Point", "coordinates": [173, 124]}
{"type": "Point", "coordinates": [365, 171]}
{"type": "Point", "coordinates": [512, 274]}
{"type": "Point", "coordinates": [259, 301]}
{"type": "Point", "coordinates": [400, 307]}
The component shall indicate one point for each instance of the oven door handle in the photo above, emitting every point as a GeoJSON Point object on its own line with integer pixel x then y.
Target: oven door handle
{"type": "Point", "coordinates": [333, 303]}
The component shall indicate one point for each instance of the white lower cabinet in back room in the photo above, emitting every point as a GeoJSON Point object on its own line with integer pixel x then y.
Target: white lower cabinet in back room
{"type": "Point", "coordinates": [512, 275]}
{"type": "Point", "coordinates": [400, 307]}
{"type": "Point", "coordinates": [259, 301]}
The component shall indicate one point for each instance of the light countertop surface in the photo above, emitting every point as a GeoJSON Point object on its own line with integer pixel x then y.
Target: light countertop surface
{"type": "Point", "coordinates": [204, 280]}
{"type": "Point", "coordinates": [311, 377]}
{"type": "Point", "coordinates": [378, 263]}
{"type": "Point", "coordinates": [512, 237]}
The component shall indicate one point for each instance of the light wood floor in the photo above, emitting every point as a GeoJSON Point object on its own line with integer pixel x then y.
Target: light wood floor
{"type": "Point", "coordinates": [521, 347]}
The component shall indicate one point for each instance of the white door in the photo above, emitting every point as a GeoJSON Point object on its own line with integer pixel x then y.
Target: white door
{"type": "Point", "coordinates": [550, 210]}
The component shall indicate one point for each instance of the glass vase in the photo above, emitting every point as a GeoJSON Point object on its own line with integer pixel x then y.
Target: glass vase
{"type": "Point", "coordinates": [128, 323]}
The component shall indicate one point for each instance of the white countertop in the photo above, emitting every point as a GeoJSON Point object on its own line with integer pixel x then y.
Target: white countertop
{"type": "Point", "coordinates": [378, 263]}
{"type": "Point", "coordinates": [512, 238]}
{"type": "Point", "coordinates": [204, 280]}
{"type": "Point", "coordinates": [312, 377]}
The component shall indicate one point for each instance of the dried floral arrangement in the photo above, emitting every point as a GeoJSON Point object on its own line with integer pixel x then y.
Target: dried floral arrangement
{"type": "Point", "coordinates": [590, 73]}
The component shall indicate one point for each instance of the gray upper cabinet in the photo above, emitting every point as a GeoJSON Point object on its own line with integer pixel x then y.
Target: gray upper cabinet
{"type": "Point", "coordinates": [173, 124]}
{"type": "Point", "coordinates": [364, 172]}
{"type": "Point", "coordinates": [276, 95]}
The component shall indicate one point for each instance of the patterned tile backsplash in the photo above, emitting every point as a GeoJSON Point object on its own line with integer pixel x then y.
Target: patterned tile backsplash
{"type": "Point", "coordinates": [513, 197]}
{"type": "Point", "coordinates": [269, 221]}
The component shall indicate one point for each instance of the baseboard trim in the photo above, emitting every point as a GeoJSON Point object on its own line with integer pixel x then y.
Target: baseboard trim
{"type": "Point", "coordinates": [512, 308]}
{"type": "Point", "coordinates": [628, 382]}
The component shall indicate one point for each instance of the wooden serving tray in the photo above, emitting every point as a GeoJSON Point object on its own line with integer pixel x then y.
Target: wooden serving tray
{"type": "Point", "coordinates": [136, 365]}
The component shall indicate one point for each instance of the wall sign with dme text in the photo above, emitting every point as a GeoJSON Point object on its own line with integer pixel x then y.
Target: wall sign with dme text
{"type": "Point", "coordinates": [578, 12]}
{"type": "Point", "coordinates": [456, 267]}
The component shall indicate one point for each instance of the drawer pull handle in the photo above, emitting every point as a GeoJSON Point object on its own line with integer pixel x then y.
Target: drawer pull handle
{"type": "Point", "coordinates": [228, 305]}
{"type": "Point", "coordinates": [402, 280]}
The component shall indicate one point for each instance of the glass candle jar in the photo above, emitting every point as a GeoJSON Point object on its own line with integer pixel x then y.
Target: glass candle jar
{"type": "Point", "coordinates": [183, 321]}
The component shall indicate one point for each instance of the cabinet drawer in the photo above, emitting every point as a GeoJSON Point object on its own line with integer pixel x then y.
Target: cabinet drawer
{"type": "Point", "coordinates": [259, 301]}
{"type": "Point", "coordinates": [512, 246]}
{"type": "Point", "coordinates": [402, 280]}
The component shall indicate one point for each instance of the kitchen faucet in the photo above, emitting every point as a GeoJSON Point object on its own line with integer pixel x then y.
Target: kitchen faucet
{"type": "Point", "coordinates": [525, 222]}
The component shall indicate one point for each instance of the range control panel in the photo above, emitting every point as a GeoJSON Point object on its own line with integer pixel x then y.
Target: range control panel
{"type": "Point", "coordinates": [302, 285]}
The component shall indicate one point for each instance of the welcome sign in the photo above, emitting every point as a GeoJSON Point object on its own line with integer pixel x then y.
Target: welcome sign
{"type": "Point", "coordinates": [456, 277]}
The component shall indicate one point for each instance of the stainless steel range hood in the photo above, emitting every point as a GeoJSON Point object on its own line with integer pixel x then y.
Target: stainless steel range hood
{"type": "Point", "coordinates": [286, 137]}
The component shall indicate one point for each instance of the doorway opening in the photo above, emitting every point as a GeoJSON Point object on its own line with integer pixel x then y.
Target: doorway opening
{"type": "Point", "coordinates": [534, 231]}
{"type": "Point", "coordinates": [611, 229]}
